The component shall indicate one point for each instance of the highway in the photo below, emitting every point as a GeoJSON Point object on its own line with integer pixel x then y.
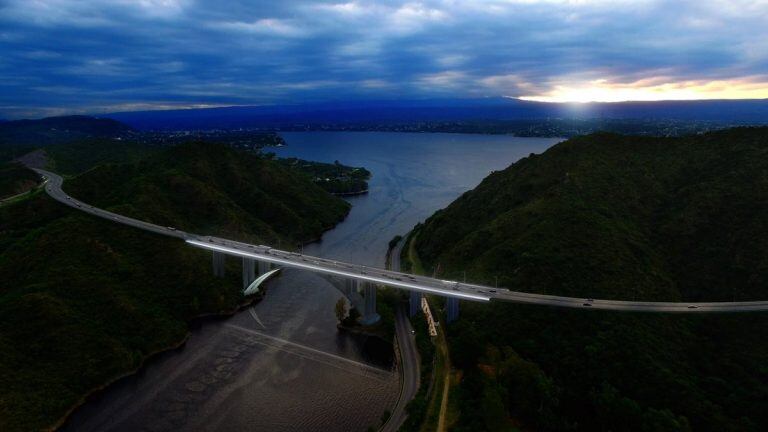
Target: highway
{"type": "Point", "coordinates": [463, 291]}
{"type": "Point", "coordinates": [409, 357]}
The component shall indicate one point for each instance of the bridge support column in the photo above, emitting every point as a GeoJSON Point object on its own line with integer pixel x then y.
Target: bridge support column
{"type": "Point", "coordinates": [218, 261]}
{"type": "Point", "coordinates": [263, 267]}
{"type": "Point", "coordinates": [369, 295]}
{"type": "Point", "coordinates": [414, 303]}
{"type": "Point", "coordinates": [451, 309]}
{"type": "Point", "coordinates": [348, 287]}
{"type": "Point", "coordinates": [249, 271]}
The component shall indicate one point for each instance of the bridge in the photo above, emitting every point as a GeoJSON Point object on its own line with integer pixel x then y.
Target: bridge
{"type": "Point", "coordinates": [365, 279]}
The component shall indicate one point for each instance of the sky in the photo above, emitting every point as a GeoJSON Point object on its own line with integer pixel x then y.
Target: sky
{"type": "Point", "coordinates": [95, 56]}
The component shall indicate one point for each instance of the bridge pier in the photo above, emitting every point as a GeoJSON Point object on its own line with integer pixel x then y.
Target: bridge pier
{"type": "Point", "coordinates": [218, 261]}
{"type": "Point", "coordinates": [249, 271]}
{"type": "Point", "coordinates": [451, 309]}
{"type": "Point", "coordinates": [263, 267]}
{"type": "Point", "coordinates": [369, 296]}
{"type": "Point", "coordinates": [414, 303]}
{"type": "Point", "coordinates": [348, 287]}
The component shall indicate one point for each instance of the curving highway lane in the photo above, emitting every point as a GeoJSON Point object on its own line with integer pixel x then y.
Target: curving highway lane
{"type": "Point", "coordinates": [409, 357]}
{"type": "Point", "coordinates": [464, 291]}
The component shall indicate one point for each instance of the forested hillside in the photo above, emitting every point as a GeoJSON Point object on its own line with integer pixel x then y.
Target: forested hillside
{"type": "Point", "coordinates": [214, 189]}
{"type": "Point", "coordinates": [57, 130]}
{"type": "Point", "coordinates": [618, 217]}
{"type": "Point", "coordinates": [84, 300]}
{"type": "Point", "coordinates": [77, 156]}
{"type": "Point", "coordinates": [15, 179]}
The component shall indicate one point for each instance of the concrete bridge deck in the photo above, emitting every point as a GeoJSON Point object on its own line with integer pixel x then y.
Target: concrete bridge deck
{"type": "Point", "coordinates": [451, 289]}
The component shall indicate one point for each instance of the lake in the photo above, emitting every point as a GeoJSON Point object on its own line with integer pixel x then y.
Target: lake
{"type": "Point", "coordinates": [413, 176]}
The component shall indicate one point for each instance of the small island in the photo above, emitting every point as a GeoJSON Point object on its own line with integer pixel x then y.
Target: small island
{"type": "Point", "coordinates": [338, 179]}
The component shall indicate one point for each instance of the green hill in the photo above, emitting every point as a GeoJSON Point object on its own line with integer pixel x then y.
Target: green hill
{"type": "Point", "coordinates": [15, 179]}
{"type": "Point", "coordinates": [77, 156]}
{"type": "Point", "coordinates": [84, 300]}
{"type": "Point", "coordinates": [214, 189]}
{"type": "Point", "coordinates": [56, 130]}
{"type": "Point", "coordinates": [77, 141]}
{"type": "Point", "coordinates": [618, 217]}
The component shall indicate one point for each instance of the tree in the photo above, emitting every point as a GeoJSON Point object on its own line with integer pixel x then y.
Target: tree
{"type": "Point", "coordinates": [531, 395]}
{"type": "Point", "coordinates": [341, 309]}
{"type": "Point", "coordinates": [494, 412]}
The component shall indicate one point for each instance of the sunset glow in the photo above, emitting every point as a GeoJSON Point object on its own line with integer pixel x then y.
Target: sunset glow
{"type": "Point", "coordinates": [99, 56]}
{"type": "Point", "coordinates": [603, 91]}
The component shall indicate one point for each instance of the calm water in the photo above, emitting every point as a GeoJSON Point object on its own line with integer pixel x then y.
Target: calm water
{"type": "Point", "coordinates": [281, 365]}
{"type": "Point", "coordinates": [413, 176]}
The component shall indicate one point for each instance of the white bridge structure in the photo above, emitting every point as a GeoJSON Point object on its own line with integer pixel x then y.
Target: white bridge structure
{"type": "Point", "coordinates": [361, 281]}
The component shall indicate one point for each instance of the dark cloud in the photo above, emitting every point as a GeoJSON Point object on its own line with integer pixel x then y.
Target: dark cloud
{"type": "Point", "coordinates": [103, 55]}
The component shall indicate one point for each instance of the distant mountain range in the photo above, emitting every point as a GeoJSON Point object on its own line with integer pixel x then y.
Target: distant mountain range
{"type": "Point", "coordinates": [438, 110]}
{"type": "Point", "coordinates": [491, 115]}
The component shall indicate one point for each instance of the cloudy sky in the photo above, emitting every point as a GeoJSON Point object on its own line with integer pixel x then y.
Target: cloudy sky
{"type": "Point", "coordinates": [67, 56]}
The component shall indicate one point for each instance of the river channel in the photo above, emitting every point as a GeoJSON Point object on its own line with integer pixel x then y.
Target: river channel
{"type": "Point", "coordinates": [281, 365]}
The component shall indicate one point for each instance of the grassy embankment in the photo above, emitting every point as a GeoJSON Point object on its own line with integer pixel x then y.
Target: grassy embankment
{"type": "Point", "coordinates": [424, 411]}
{"type": "Point", "coordinates": [85, 301]}
{"type": "Point", "coordinates": [609, 216]}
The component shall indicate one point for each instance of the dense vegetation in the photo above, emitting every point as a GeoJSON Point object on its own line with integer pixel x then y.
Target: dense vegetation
{"type": "Point", "coordinates": [209, 188]}
{"type": "Point", "coordinates": [57, 130]}
{"type": "Point", "coordinates": [80, 155]}
{"type": "Point", "coordinates": [335, 178]}
{"type": "Point", "coordinates": [75, 143]}
{"type": "Point", "coordinates": [15, 179]}
{"type": "Point", "coordinates": [8, 152]}
{"type": "Point", "coordinates": [617, 217]}
{"type": "Point", "coordinates": [84, 301]}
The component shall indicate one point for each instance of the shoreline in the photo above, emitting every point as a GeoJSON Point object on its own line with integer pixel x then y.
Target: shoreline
{"type": "Point", "coordinates": [342, 194]}
{"type": "Point", "coordinates": [417, 132]}
{"type": "Point", "coordinates": [245, 302]}
{"type": "Point", "coordinates": [208, 316]}
{"type": "Point", "coordinates": [201, 318]}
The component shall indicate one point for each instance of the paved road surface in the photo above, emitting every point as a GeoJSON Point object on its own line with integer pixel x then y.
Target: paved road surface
{"type": "Point", "coordinates": [396, 279]}
{"type": "Point", "coordinates": [409, 357]}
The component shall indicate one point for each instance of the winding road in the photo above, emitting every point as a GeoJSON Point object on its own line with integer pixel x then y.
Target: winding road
{"type": "Point", "coordinates": [409, 357]}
